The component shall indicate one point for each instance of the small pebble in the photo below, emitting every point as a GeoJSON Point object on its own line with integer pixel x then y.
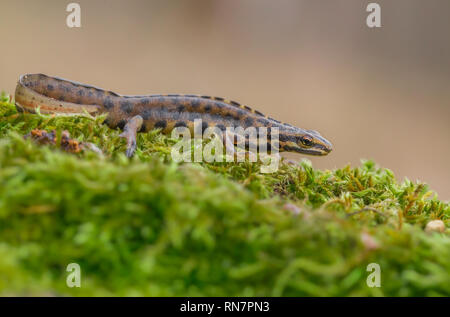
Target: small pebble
{"type": "Point", "coordinates": [369, 242]}
{"type": "Point", "coordinates": [290, 162]}
{"type": "Point", "coordinates": [292, 208]}
{"type": "Point", "coordinates": [435, 226]}
{"type": "Point", "coordinates": [295, 210]}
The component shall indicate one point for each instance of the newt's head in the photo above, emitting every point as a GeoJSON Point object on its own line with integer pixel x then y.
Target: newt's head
{"type": "Point", "coordinates": [305, 141]}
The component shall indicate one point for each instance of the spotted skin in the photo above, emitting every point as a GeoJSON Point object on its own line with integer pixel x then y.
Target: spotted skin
{"type": "Point", "coordinates": [165, 112]}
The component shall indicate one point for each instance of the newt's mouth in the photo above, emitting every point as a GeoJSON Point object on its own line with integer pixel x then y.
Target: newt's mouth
{"type": "Point", "coordinates": [318, 150]}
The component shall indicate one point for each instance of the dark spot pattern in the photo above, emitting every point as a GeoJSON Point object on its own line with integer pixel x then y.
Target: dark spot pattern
{"type": "Point", "coordinates": [108, 103]}
{"type": "Point", "coordinates": [121, 124]}
{"type": "Point", "coordinates": [241, 113]}
{"type": "Point", "coordinates": [248, 121]}
{"type": "Point", "coordinates": [99, 93]}
{"type": "Point", "coordinates": [231, 116]}
{"type": "Point", "coordinates": [126, 106]}
{"type": "Point", "coordinates": [180, 124]}
{"type": "Point", "coordinates": [195, 103]}
{"type": "Point", "coordinates": [146, 114]}
{"type": "Point", "coordinates": [162, 124]}
{"type": "Point", "coordinates": [108, 121]}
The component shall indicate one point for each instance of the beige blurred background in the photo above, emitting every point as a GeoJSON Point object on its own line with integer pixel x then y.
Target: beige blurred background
{"type": "Point", "coordinates": [380, 93]}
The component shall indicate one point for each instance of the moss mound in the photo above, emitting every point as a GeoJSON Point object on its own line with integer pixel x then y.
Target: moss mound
{"type": "Point", "coordinates": [152, 227]}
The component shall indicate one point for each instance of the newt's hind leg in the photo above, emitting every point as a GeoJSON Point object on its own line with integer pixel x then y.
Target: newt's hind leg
{"type": "Point", "coordinates": [129, 133]}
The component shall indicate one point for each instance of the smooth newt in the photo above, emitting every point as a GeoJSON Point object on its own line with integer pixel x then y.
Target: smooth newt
{"type": "Point", "coordinates": [53, 95]}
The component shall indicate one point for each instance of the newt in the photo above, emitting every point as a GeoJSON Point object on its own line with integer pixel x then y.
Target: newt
{"type": "Point", "coordinates": [141, 113]}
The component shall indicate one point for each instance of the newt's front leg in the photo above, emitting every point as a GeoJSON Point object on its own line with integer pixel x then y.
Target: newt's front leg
{"type": "Point", "coordinates": [129, 133]}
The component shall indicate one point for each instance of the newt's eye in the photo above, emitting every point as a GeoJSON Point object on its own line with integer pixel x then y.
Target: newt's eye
{"type": "Point", "coordinates": [307, 141]}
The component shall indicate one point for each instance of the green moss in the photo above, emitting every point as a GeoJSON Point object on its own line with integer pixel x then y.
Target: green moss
{"type": "Point", "coordinates": [149, 226]}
